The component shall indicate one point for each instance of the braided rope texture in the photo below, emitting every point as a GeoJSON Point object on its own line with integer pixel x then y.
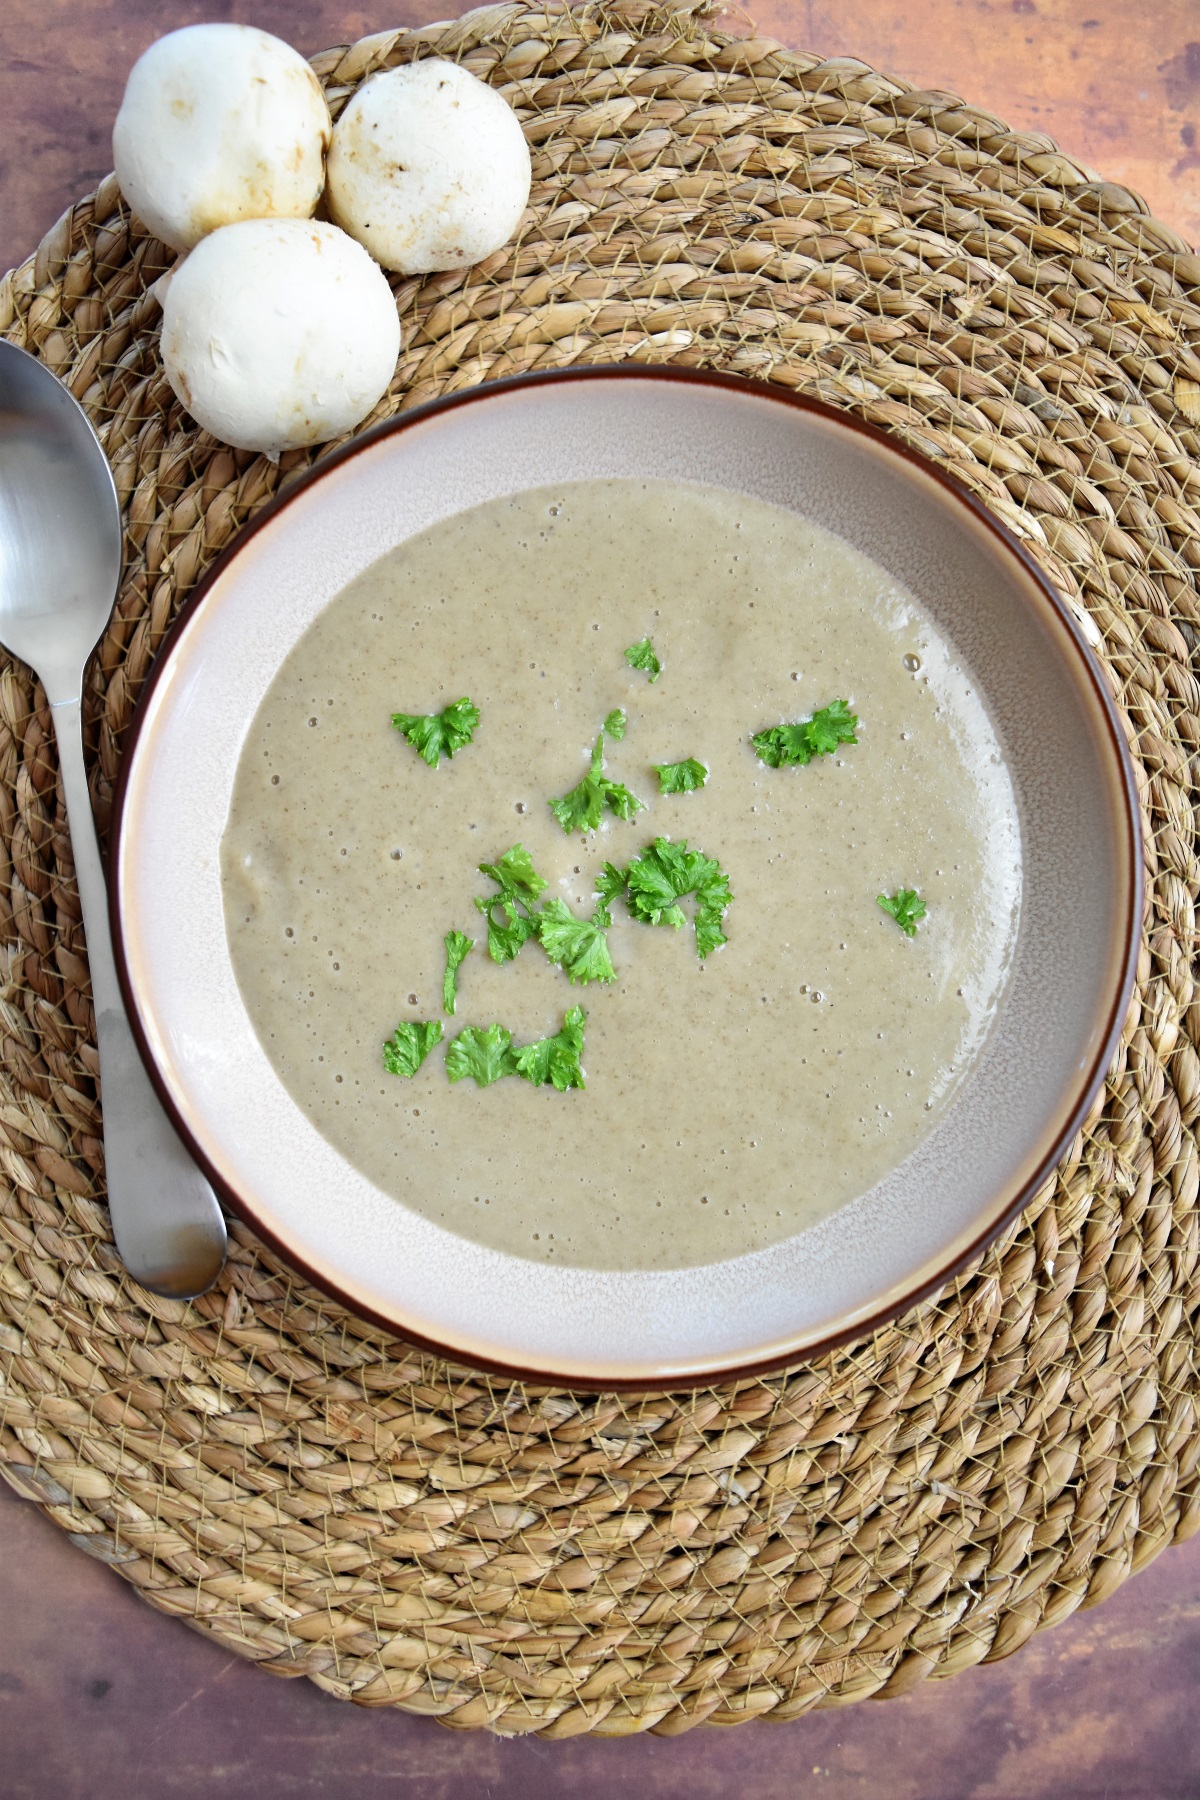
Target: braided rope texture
{"type": "Point", "coordinates": [328, 1502]}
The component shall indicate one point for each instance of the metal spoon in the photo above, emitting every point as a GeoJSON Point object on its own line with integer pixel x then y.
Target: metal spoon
{"type": "Point", "coordinates": [60, 562]}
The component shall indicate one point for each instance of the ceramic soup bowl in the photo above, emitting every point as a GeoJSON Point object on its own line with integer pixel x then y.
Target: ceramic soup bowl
{"type": "Point", "coordinates": [1011, 1117]}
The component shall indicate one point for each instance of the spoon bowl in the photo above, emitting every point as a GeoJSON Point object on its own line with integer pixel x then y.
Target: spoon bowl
{"type": "Point", "coordinates": [60, 526]}
{"type": "Point", "coordinates": [60, 563]}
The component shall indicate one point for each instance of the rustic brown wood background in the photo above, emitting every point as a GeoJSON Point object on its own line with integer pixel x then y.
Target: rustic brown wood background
{"type": "Point", "coordinates": [103, 1699]}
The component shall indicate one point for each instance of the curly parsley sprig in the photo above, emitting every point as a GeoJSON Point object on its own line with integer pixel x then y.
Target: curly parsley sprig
{"type": "Point", "coordinates": [511, 914]}
{"type": "Point", "coordinates": [410, 1044]}
{"type": "Point", "coordinates": [609, 883]}
{"type": "Point", "coordinates": [486, 1054]}
{"type": "Point", "coordinates": [663, 875]}
{"type": "Point", "coordinates": [514, 915]}
{"type": "Point", "coordinates": [458, 946]}
{"type": "Point", "coordinates": [482, 1052]}
{"type": "Point", "coordinates": [433, 735]}
{"type": "Point", "coordinates": [787, 746]}
{"type": "Point", "coordinates": [578, 946]}
{"type": "Point", "coordinates": [583, 808]}
{"type": "Point", "coordinates": [906, 907]}
{"type": "Point", "coordinates": [681, 777]}
{"type": "Point", "coordinates": [642, 656]}
{"type": "Point", "coordinates": [555, 1061]}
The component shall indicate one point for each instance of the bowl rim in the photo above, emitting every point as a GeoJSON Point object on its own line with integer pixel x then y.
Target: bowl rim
{"type": "Point", "coordinates": [1009, 544]}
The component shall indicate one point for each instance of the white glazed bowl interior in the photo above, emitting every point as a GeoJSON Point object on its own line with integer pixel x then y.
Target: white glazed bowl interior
{"type": "Point", "coordinates": [1013, 1113]}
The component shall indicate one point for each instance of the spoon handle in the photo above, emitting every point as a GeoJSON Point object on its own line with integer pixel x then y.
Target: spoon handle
{"type": "Point", "coordinates": [165, 1217]}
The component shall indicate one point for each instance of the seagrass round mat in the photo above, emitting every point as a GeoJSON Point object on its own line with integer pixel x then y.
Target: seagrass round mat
{"type": "Point", "coordinates": [330, 1503]}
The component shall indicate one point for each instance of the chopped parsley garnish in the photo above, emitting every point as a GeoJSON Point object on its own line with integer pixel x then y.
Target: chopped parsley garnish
{"type": "Point", "coordinates": [555, 1059]}
{"type": "Point", "coordinates": [583, 808]}
{"type": "Point", "coordinates": [578, 946]}
{"type": "Point", "coordinates": [906, 907]}
{"type": "Point", "coordinates": [641, 656]}
{"type": "Point", "coordinates": [783, 746]}
{"type": "Point", "coordinates": [458, 945]}
{"type": "Point", "coordinates": [487, 1055]}
{"type": "Point", "coordinates": [681, 777]}
{"type": "Point", "coordinates": [519, 884]}
{"type": "Point", "coordinates": [410, 1044]}
{"type": "Point", "coordinates": [483, 1054]}
{"type": "Point", "coordinates": [609, 883]}
{"type": "Point", "coordinates": [434, 735]}
{"type": "Point", "coordinates": [660, 877]}
{"type": "Point", "coordinates": [615, 724]}
{"type": "Point", "coordinates": [515, 871]}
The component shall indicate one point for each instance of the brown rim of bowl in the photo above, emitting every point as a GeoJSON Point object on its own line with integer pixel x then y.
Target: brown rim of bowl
{"type": "Point", "coordinates": [1008, 542]}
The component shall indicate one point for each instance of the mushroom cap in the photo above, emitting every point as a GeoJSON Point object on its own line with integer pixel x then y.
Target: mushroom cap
{"type": "Point", "coordinates": [278, 333]}
{"type": "Point", "coordinates": [220, 122]}
{"type": "Point", "coordinates": [428, 168]}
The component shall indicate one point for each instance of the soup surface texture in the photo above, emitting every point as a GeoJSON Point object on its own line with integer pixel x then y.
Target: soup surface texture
{"type": "Point", "coordinates": [731, 1102]}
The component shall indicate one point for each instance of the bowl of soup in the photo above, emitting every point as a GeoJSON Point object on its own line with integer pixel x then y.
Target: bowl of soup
{"type": "Point", "coordinates": [627, 877]}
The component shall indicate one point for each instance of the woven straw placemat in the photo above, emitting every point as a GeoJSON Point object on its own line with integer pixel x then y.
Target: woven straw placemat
{"type": "Point", "coordinates": [330, 1503]}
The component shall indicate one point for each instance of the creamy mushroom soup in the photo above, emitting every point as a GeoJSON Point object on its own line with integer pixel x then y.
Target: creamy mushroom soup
{"type": "Point", "coordinates": [730, 1101]}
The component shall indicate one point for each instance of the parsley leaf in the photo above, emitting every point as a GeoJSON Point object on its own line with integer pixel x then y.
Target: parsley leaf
{"type": "Point", "coordinates": [641, 656]}
{"type": "Point", "coordinates": [906, 907]}
{"type": "Point", "coordinates": [410, 1044]}
{"type": "Point", "coordinates": [681, 777]}
{"type": "Point", "coordinates": [555, 1059]}
{"type": "Point", "coordinates": [510, 932]}
{"type": "Point", "coordinates": [615, 724]}
{"type": "Point", "coordinates": [433, 735]}
{"type": "Point", "coordinates": [621, 801]}
{"type": "Point", "coordinates": [784, 745]}
{"type": "Point", "coordinates": [515, 872]}
{"type": "Point", "coordinates": [583, 808]}
{"type": "Point", "coordinates": [519, 884]}
{"type": "Point", "coordinates": [609, 883]}
{"type": "Point", "coordinates": [484, 1055]}
{"type": "Point", "coordinates": [458, 945]}
{"type": "Point", "coordinates": [578, 946]}
{"type": "Point", "coordinates": [660, 877]}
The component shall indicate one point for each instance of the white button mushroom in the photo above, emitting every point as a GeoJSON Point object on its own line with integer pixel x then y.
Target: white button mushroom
{"type": "Point", "coordinates": [220, 122]}
{"type": "Point", "coordinates": [279, 332]}
{"type": "Point", "coordinates": [428, 168]}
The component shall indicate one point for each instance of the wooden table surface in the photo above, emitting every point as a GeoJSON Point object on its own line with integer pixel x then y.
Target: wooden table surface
{"type": "Point", "coordinates": [101, 1697]}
